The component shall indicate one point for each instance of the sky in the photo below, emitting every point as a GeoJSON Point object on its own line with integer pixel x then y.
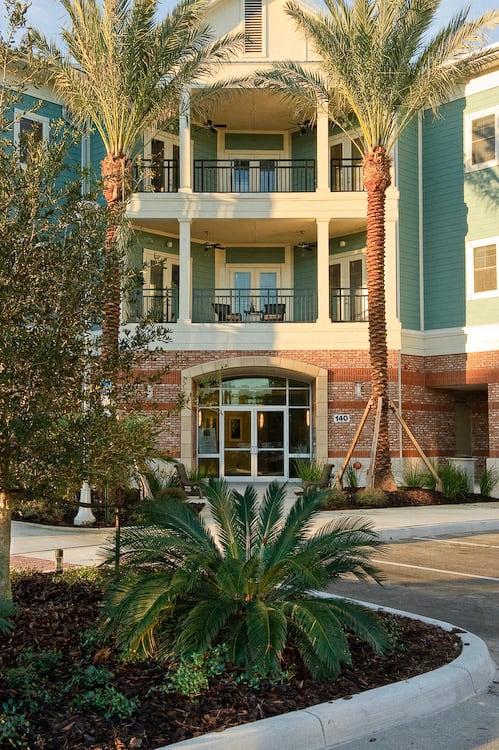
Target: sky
{"type": "Point", "coordinates": [48, 15]}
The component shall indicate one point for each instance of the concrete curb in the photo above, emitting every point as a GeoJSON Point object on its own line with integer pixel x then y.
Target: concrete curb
{"type": "Point", "coordinates": [328, 725]}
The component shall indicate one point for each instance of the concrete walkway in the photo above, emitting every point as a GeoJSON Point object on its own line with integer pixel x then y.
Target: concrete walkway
{"type": "Point", "coordinates": [455, 707]}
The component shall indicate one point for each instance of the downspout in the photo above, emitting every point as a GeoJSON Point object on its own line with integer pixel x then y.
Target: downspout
{"type": "Point", "coordinates": [399, 355]}
{"type": "Point", "coordinates": [421, 223]}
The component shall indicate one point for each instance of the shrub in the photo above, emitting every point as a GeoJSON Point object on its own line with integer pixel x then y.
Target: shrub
{"type": "Point", "coordinates": [192, 674]}
{"type": "Point", "coordinates": [14, 726]}
{"type": "Point", "coordinates": [414, 476]}
{"type": "Point", "coordinates": [373, 498]}
{"type": "Point", "coordinates": [170, 493]}
{"type": "Point", "coordinates": [351, 477]}
{"type": "Point", "coordinates": [335, 498]}
{"type": "Point", "coordinates": [489, 481]}
{"type": "Point", "coordinates": [308, 470]}
{"type": "Point", "coordinates": [247, 583]}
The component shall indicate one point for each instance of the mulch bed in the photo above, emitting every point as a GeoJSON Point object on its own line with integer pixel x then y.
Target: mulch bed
{"type": "Point", "coordinates": [54, 613]}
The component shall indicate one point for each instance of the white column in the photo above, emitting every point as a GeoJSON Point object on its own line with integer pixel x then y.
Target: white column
{"type": "Point", "coordinates": [184, 126]}
{"type": "Point", "coordinates": [185, 283]}
{"type": "Point", "coordinates": [323, 271]}
{"type": "Point", "coordinates": [322, 151]}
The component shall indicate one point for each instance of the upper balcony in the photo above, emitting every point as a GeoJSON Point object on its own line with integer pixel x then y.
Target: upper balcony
{"type": "Point", "coordinates": [248, 175]}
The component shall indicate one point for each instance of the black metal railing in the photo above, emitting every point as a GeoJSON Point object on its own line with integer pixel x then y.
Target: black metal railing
{"type": "Point", "coordinates": [156, 176]}
{"type": "Point", "coordinates": [158, 305]}
{"type": "Point", "coordinates": [347, 175]}
{"type": "Point", "coordinates": [281, 305]}
{"type": "Point", "coordinates": [254, 175]}
{"type": "Point", "coordinates": [254, 305]}
{"type": "Point", "coordinates": [247, 175]}
{"type": "Point", "coordinates": [348, 305]}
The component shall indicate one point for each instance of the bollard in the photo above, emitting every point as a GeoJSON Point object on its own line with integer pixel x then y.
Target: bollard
{"type": "Point", "coordinates": [58, 560]}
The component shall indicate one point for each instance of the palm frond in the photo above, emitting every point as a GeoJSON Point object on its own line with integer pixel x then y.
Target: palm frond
{"type": "Point", "coordinates": [202, 624]}
{"type": "Point", "coordinates": [266, 630]}
{"type": "Point", "coordinates": [222, 508]}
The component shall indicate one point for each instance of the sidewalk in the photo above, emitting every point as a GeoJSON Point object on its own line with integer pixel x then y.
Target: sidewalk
{"type": "Point", "coordinates": [82, 546]}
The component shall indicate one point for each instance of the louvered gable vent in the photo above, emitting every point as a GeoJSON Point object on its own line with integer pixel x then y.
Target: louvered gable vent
{"type": "Point", "coordinates": [253, 25]}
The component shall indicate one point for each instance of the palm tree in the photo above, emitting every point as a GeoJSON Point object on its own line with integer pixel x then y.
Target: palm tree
{"type": "Point", "coordinates": [246, 584]}
{"type": "Point", "coordinates": [124, 74]}
{"type": "Point", "coordinates": [378, 69]}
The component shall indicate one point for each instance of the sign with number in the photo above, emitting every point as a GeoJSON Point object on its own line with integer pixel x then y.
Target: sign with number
{"type": "Point", "coordinates": [341, 418]}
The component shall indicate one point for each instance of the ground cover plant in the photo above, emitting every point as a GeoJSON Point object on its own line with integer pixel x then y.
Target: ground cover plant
{"type": "Point", "coordinates": [61, 688]}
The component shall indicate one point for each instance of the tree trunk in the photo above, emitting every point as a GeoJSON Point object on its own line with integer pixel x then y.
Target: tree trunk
{"type": "Point", "coordinates": [5, 537]}
{"type": "Point", "coordinates": [376, 180]}
{"type": "Point", "coordinates": [116, 176]}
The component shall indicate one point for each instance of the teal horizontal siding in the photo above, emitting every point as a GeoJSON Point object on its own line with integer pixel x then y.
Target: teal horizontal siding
{"type": "Point", "coordinates": [409, 270]}
{"type": "Point", "coordinates": [445, 218]}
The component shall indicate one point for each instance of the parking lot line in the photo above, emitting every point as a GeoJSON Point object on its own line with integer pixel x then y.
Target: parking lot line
{"type": "Point", "coordinates": [454, 541]}
{"type": "Point", "coordinates": [435, 570]}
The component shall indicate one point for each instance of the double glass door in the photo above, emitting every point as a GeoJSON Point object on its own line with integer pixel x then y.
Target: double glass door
{"type": "Point", "coordinates": [253, 442]}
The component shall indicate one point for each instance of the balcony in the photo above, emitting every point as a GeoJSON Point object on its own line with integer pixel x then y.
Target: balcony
{"type": "Point", "coordinates": [158, 305]}
{"type": "Point", "coordinates": [254, 175]}
{"type": "Point", "coordinates": [348, 305]}
{"type": "Point", "coordinates": [254, 305]}
{"type": "Point", "coordinates": [346, 175]}
{"type": "Point", "coordinates": [247, 175]}
{"type": "Point", "coordinates": [248, 305]}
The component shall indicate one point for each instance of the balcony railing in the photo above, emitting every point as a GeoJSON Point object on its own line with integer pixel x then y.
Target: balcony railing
{"type": "Point", "coordinates": [156, 176]}
{"type": "Point", "coordinates": [348, 305]}
{"type": "Point", "coordinates": [254, 305]}
{"type": "Point", "coordinates": [159, 305]}
{"type": "Point", "coordinates": [347, 175]}
{"type": "Point", "coordinates": [247, 305]}
{"type": "Point", "coordinates": [254, 175]}
{"type": "Point", "coordinates": [247, 175]}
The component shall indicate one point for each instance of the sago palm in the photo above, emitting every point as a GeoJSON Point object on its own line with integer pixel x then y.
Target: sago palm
{"type": "Point", "coordinates": [248, 583]}
{"type": "Point", "coordinates": [124, 74]}
{"type": "Point", "coordinates": [378, 67]}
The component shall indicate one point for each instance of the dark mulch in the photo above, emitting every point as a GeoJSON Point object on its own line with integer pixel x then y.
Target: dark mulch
{"type": "Point", "coordinates": [55, 611]}
{"type": "Point", "coordinates": [407, 497]}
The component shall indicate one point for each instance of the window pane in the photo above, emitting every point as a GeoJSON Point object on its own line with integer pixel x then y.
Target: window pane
{"type": "Point", "coordinates": [485, 268]}
{"type": "Point", "coordinates": [483, 142]}
{"type": "Point", "coordinates": [207, 431]}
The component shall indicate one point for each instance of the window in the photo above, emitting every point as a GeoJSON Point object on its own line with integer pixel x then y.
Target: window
{"type": "Point", "coordinates": [482, 141]}
{"type": "Point", "coordinates": [29, 129]}
{"type": "Point", "coordinates": [483, 280]}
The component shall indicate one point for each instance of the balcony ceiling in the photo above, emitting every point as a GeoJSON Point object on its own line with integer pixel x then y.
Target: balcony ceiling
{"type": "Point", "coordinates": [254, 110]}
{"type": "Point", "coordinates": [233, 232]}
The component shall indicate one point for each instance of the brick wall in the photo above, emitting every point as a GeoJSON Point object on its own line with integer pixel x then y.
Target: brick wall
{"type": "Point", "coordinates": [427, 390]}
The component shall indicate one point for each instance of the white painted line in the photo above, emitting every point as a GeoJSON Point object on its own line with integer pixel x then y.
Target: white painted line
{"type": "Point", "coordinates": [436, 570]}
{"type": "Point", "coordinates": [453, 541]}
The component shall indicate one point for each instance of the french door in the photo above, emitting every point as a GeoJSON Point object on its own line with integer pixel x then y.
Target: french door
{"type": "Point", "coordinates": [254, 443]}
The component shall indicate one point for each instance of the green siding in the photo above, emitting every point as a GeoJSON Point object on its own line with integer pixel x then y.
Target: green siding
{"type": "Point", "coordinates": [303, 146]}
{"type": "Point", "coordinates": [305, 279]}
{"type": "Point", "coordinates": [240, 255]}
{"type": "Point", "coordinates": [254, 141]}
{"type": "Point", "coordinates": [445, 218]}
{"type": "Point", "coordinates": [481, 195]}
{"type": "Point", "coordinates": [353, 242]}
{"type": "Point", "coordinates": [409, 227]}
{"type": "Point", "coordinates": [205, 144]}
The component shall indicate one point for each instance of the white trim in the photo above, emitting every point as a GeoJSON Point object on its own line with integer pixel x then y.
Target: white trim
{"type": "Point", "coordinates": [468, 129]}
{"type": "Point", "coordinates": [470, 268]}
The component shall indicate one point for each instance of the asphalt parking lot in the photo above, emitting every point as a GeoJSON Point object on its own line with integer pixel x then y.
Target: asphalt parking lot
{"type": "Point", "coordinates": [455, 579]}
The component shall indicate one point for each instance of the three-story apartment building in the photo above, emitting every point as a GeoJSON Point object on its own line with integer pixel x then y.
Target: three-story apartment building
{"type": "Point", "coordinates": [250, 229]}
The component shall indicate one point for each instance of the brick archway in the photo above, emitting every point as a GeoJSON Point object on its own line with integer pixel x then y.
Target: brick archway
{"type": "Point", "coordinates": [255, 365]}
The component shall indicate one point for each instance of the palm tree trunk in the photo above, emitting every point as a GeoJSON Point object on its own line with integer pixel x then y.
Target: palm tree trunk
{"type": "Point", "coordinates": [5, 539]}
{"type": "Point", "coordinates": [376, 180]}
{"type": "Point", "coordinates": [116, 176]}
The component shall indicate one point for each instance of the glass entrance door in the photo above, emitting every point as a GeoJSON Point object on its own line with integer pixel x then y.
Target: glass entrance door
{"type": "Point", "coordinates": [254, 443]}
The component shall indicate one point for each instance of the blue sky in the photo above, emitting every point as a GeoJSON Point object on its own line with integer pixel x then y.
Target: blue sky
{"type": "Point", "coordinates": [48, 15]}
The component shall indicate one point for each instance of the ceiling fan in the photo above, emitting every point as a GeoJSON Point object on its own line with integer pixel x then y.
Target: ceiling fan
{"type": "Point", "coordinates": [212, 245]}
{"type": "Point", "coordinates": [303, 126]}
{"type": "Point", "coordinates": [306, 245]}
{"type": "Point", "coordinates": [213, 126]}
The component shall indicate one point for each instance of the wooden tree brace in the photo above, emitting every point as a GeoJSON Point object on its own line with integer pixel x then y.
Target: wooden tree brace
{"type": "Point", "coordinates": [339, 477]}
{"type": "Point", "coordinates": [412, 438]}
